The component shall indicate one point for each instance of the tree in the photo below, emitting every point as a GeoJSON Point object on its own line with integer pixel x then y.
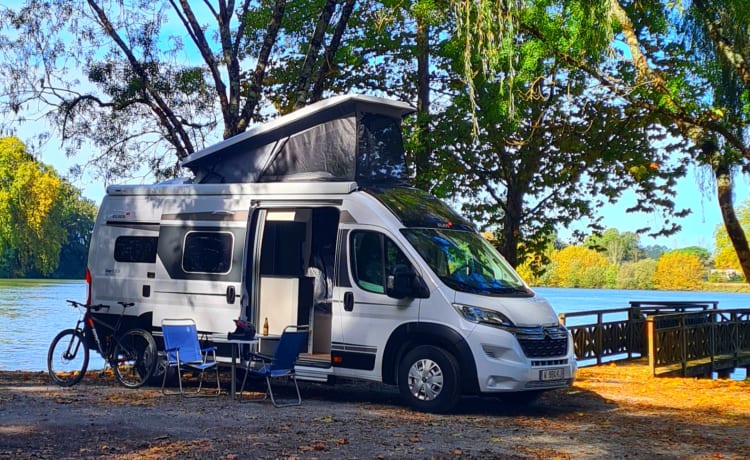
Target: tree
{"type": "Point", "coordinates": [569, 149]}
{"type": "Point", "coordinates": [618, 247]}
{"type": "Point", "coordinates": [654, 251]}
{"type": "Point", "coordinates": [725, 257]}
{"type": "Point", "coordinates": [76, 216]}
{"type": "Point", "coordinates": [148, 83]}
{"type": "Point", "coordinates": [679, 271]}
{"type": "Point", "coordinates": [43, 219]}
{"type": "Point", "coordinates": [636, 275]}
{"type": "Point", "coordinates": [536, 262]}
{"type": "Point", "coordinates": [703, 254]}
{"type": "Point", "coordinates": [579, 267]}
{"type": "Point", "coordinates": [28, 193]}
{"type": "Point", "coordinates": [636, 50]}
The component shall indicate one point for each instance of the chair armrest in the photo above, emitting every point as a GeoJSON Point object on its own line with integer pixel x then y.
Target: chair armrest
{"type": "Point", "coordinates": [207, 349]}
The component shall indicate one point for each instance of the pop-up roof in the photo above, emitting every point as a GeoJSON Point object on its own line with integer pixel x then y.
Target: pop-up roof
{"type": "Point", "coordinates": [345, 138]}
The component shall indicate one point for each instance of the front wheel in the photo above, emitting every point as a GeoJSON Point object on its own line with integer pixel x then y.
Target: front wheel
{"type": "Point", "coordinates": [67, 358]}
{"type": "Point", "coordinates": [428, 379]}
{"type": "Point", "coordinates": [135, 358]}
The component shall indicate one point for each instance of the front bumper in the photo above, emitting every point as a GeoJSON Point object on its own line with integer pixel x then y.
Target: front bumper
{"type": "Point", "coordinates": [522, 360]}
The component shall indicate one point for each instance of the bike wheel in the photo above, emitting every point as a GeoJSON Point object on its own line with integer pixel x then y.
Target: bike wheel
{"type": "Point", "coordinates": [135, 357]}
{"type": "Point", "coordinates": [67, 358]}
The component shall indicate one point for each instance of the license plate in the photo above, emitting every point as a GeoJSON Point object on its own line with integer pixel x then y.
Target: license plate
{"type": "Point", "coordinates": [552, 374]}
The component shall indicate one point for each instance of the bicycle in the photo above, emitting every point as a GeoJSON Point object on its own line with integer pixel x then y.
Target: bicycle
{"type": "Point", "coordinates": [132, 355]}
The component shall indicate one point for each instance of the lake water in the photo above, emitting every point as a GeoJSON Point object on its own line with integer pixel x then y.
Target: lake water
{"type": "Point", "coordinates": [32, 312]}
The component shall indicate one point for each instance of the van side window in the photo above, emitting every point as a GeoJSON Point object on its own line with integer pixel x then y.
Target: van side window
{"type": "Point", "coordinates": [207, 252]}
{"type": "Point", "coordinates": [373, 257]}
{"type": "Point", "coordinates": [136, 249]}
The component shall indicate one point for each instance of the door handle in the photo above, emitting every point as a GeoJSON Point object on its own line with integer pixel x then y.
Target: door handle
{"type": "Point", "coordinates": [349, 301]}
{"type": "Point", "coordinates": [230, 294]}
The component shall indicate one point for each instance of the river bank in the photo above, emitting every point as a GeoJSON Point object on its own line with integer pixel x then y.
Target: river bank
{"type": "Point", "coordinates": [613, 411]}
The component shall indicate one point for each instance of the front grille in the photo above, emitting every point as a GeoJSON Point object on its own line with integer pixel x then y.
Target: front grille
{"type": "Point", "coordinates": [543, 342]}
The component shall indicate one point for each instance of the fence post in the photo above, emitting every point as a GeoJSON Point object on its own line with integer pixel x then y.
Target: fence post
{"type": "Point", "coordinates": [651, 339]}
{"type": "Point", "coordinates": [712, 340]}
{"type": "Point", "coordinates": [599, 337]}
{"type": "Point", "coordinates": [683, 352]}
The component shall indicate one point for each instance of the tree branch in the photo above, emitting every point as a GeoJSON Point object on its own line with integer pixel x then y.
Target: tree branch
{"type": "Point", "coordinates": [256, 83]}
{"type": "Point", "coordinates": [178, 137]}
{"type": "Point", "coordinates": [199, 38]}
{"type": "Point", "coordinates": [326, 67]}
{"type": "Point", "coordinates": [726, 50]}
{"type": "Point", "coordinates": [316, 42]}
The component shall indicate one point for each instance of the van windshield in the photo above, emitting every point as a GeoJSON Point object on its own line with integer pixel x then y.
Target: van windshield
{"type": "Point", "coordinates": [466, 262]}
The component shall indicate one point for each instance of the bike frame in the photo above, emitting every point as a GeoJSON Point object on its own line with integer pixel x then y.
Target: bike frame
{"type": "Point", "coordinates": [89, 322]}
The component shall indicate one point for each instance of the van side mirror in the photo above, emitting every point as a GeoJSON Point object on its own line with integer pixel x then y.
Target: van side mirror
{"type": "Point", "coordinates": [403, 282]}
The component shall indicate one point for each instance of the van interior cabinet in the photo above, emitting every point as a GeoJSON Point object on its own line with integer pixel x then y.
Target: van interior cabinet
{"type": "Point", "coordinates": [284, 300]}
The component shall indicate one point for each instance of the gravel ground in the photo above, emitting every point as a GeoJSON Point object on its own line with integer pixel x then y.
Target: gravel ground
{"type": "Point", "coordinates": [609, 413]}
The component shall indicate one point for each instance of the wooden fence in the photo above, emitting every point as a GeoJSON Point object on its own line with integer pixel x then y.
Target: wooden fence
{"type": "Point", "coordinates": [691, 344]}
{"type": "Point", "coordinates": [689, 338]}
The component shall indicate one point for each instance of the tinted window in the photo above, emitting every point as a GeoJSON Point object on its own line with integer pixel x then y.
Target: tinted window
{"type": "Point", "coordinates": [136, 249]}
{"type": "Point", "coordinates": [207, 252]}
{"type": "Point", "coordinates": [374, 257]}
{"type": "Point", "coordinates": [416, 208]}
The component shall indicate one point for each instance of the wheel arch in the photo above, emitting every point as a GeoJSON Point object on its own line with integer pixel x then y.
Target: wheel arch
{"type": "Point", "coordinates": [410, 335]}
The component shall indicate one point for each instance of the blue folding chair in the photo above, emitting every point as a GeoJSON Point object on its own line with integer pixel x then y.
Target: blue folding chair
{"type": "Point", "coordinates": [183, 350]}
{"type": "Point", "coordinates": [280, 365]}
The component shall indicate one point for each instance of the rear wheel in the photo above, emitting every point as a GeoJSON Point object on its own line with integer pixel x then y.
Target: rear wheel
{"type": "Point", "coordinates": [428, 379]}
{"type": "Point", "coordinates": [67, 358]}
{"type": "Point", "coordinates": [135, 358]}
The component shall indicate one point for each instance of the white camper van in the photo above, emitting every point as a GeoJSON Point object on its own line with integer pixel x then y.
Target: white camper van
{"type": "Point", "coordinates": [309, 220]}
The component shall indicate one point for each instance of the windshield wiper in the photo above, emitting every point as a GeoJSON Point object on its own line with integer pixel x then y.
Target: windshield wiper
{"type": "Point", "coordinates": [510, 290]}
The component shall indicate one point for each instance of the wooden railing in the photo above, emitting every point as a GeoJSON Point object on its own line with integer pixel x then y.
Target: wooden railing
{"type": "Point", "coordinates": [698, 343]}
{"type": "Point", "coordinates": [612, 334]}
{"type": "Point", "coordinates": [599, 337]}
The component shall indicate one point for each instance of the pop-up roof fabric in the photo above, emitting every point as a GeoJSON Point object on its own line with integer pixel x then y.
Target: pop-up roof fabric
{"type": "Point", "coordinates": [345, 138]}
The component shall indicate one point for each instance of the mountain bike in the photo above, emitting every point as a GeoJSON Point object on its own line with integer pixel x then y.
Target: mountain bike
{"type": "Point", "coordinates": [131, 354]}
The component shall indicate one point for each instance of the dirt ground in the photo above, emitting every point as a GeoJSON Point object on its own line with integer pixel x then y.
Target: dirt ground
{"type": "Point", "coordinates": [611, 412]}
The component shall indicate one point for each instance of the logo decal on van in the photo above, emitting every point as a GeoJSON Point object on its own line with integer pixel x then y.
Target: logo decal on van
{"type": "Point", "coordinates": [121, 215]}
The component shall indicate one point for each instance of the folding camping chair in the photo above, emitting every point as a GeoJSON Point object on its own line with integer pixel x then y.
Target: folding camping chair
{"type": "Point", "coordinates": [280, 365]}
{"type": "Point", "coordinates": [183, 350]}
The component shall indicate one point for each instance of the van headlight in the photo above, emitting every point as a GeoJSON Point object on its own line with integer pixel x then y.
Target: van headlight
{"type": "Point", "coordinates": [483, 315]}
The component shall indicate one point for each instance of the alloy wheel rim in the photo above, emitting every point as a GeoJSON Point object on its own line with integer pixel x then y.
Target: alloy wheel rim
{"type": "Point", "coordinates": [425, 380]}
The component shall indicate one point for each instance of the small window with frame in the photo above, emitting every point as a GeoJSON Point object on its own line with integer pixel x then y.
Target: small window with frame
{"type": "Point", "coordinates": [207, 252]}
{"type": "Point", "coordinates": [136, 249]}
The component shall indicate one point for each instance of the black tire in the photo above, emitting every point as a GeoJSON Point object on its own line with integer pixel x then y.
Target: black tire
{"type": "Point", "coordinates": [428, 379]}
{"type": "Point", "coordinates": [67, 358]}
{"type": "Point", "coordinates": [135, 358]}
